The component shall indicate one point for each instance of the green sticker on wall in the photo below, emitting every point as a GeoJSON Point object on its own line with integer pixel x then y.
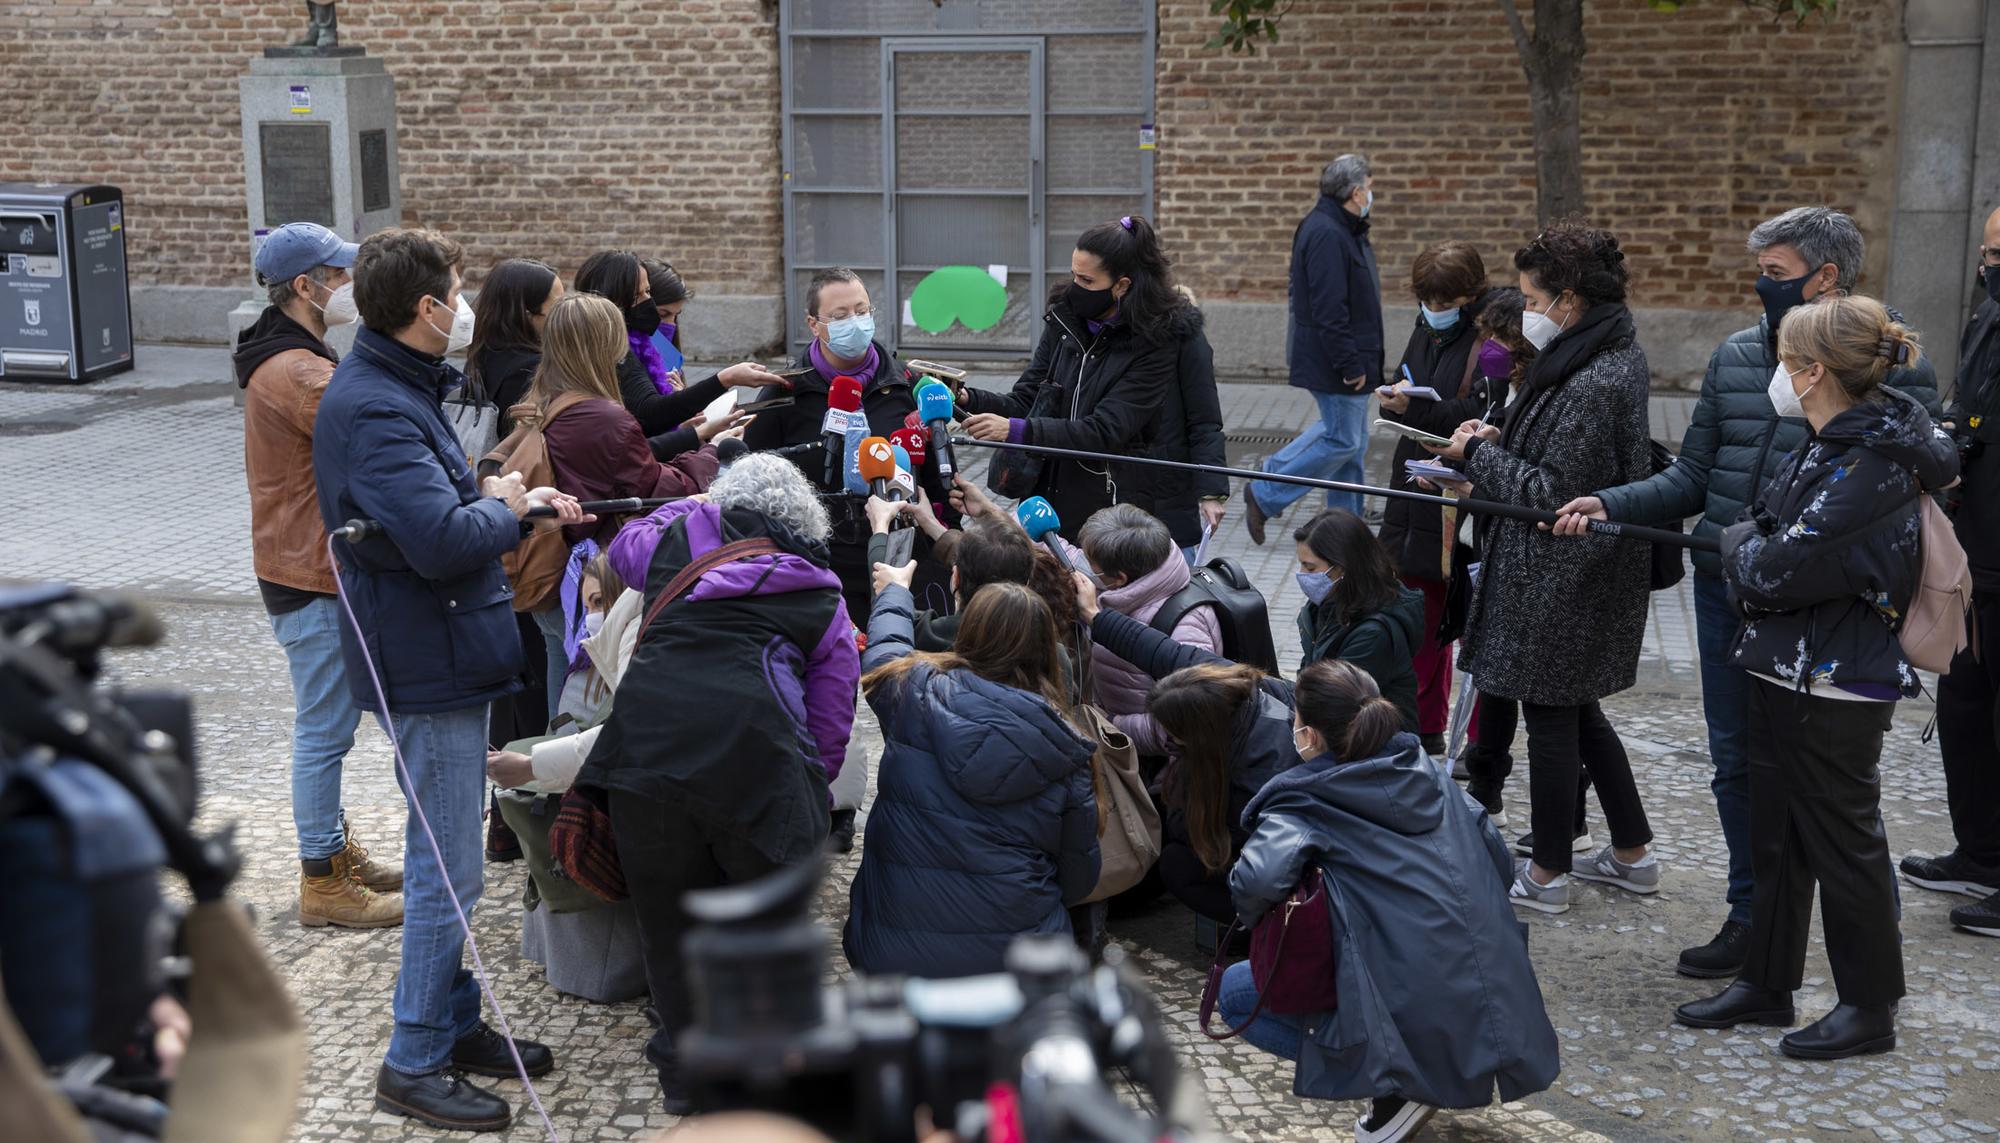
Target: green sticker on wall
{"type": "Point", "coordinates": [965, 294]}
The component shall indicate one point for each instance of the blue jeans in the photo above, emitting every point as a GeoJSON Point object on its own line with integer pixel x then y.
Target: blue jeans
{"type": "Point", "coordinates": [1278, 1035]}
{"type": "Point", "coordinates": [1725, 704]}
{"type": "Point", "coordinates": [1331, 450]}
{"type": "Point", "coordinates": [437, 1000]}
{"type": "Point", "coordinates": [323, 725]}
{"type": "Point", "coordinates": [551, 624]}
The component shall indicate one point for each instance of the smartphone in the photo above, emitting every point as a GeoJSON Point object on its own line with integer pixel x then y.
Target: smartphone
{"type": "Point", "coordinates": [769, 397]}
{"type": "Point", "coordinates": [794, 372]}
{"type": "Point", "coordinates": [933, 369]}
{"type": "Point", "coordinates": [1418, 435]}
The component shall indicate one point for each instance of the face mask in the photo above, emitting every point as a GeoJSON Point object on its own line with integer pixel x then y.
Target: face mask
{"type": "Point", "coordinates": [1304, 751]}
{"type": "Point", "coordinates": [1368, 204]}
{"type": "Point", "coordinates": [1540, 328]}
{"type": "Point", "coordinates": [1495, 360]}
{"type": "Point", "coordinates": [593, 622]}
{"type": "Point", "coordinates": [1439, 320]}
{"type": "Point", "coordinates": [1090, 304]}
{"type": "Point", "coordinates": [643, 317]}
{"type": "Point", "coordinates": [1781, 297]}
{"type": "Point", "coordinates": [1783, 399]}
{"type": "Point", "coordinates": [460, 334]}
{"type": "Point", "coordinates": [1991, 276]}
{"type": "Point", "coordinates": [339, 308]}
{"type": "Point", "coordinates": [668, 330]}
{"type": "Point", "coordinates": [1316, 585]}
{"type": "Point", "coordinates": [848, 337]}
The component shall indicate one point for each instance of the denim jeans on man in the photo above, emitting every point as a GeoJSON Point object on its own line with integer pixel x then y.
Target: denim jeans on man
{"type": "Point", "coordinates": [437, 999]}
{"type": "Point", "coordinates": [323, 725]}
{"type": "Point", "coordinates": [1333, 449]}
{"type": "Point", "coordinates": [1725, 703]}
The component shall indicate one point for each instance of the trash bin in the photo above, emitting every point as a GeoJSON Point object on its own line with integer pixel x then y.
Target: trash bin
{"type": "Point", "coordinates": [65, 302]}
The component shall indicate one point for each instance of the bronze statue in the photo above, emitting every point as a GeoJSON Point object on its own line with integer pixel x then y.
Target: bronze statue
{"type": "Point", "coordinates": [322, 27]}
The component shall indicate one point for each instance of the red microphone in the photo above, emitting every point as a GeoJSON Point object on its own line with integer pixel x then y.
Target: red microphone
{"type": "Point", "coordinates": [912, 421]}
{"type": "Point", "coordinates": [843, 398]}
{"type": "Point", "coordinates": [914, 441]}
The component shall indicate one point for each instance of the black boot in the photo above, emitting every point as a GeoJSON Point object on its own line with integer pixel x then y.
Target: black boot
{"type": "Point", "coordinates": [1740, 1003]}
{"type": "Point", "coordinates": [1848, 1030]}
{"type": "Point", "coordinates": [441, 1099]}
{"type": "Point", "coordinates": [840, 838]}
{"type": "Point", "coordinates": [483, 1052]}
{"type": "Point", "coordinates": [1720, 957]}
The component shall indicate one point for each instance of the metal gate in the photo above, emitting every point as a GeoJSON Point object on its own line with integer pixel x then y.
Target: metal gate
{"type": "Point", "coordinates": [951, 155]}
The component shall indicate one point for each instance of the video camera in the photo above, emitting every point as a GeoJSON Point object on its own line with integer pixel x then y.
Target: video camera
{"type": "Point", "coordinates": [1018, 1055]}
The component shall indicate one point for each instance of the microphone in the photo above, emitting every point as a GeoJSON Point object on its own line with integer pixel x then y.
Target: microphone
{"type": "Point", "coordinates": [729, 450]}
{"type": "Point", "coordinates": [902, 455]}
{"type": "Point", "coordinates": [902, 486]}
{"type": "Point", "coordinates": [356, 531]}
{"type": "Point", "coordinates": [877, 463]}
{"type": "Point", "coordinates": [934, 407]}
{"type": "Point", "coordinates": [843, 399]}
{"type": "Point", "coordinates": [913, 442]}
{"type": "Point", "coordinates": [1038, 518]}
{"type": "Point", "coordinates": [912, 421]}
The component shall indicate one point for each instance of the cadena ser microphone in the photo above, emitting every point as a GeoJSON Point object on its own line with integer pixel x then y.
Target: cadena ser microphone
{"type": "Point", "coordinates": [877, 462]}
{"type": "Point", "coordinates": [1038, 518]}
{"type": "Point", "coordinates": [915, 442]}
{"type": "Point", "coordinates": [934, 406]}
{"type": "Point", "coordinates": [843, 400]}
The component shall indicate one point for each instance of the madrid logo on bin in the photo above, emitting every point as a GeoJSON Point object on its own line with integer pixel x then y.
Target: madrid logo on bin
{"type": "Point", "coordinates": [34, 314]}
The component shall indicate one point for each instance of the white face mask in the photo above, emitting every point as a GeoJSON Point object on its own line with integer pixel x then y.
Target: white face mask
{"type": "Point", "coordinates": [1304, 751]}
{"type": "Point", "coordinates": [593, 622]}
{"type": "Point", "coordinates": [1539, 328]}
{"type": "Point", "coordinates": [1783, 399]}
{"type": "Point", "coordinates": [339, 308]}
{"type": "Point", "coordinates": [460, 335]}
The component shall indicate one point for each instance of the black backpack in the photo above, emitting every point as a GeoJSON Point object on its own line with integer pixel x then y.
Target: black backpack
{"type": "Point", "coordinates": [1239, 608]}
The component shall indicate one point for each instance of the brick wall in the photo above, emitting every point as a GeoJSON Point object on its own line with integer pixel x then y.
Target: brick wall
{"type": "Point", "coordinates": [550, 128]}
{"type": "Point", "coordinates": [1696, 126]}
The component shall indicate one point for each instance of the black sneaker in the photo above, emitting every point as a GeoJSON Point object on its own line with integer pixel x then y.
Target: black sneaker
{"type": "Point", "coordinates": [1720, 957]}
{"type": "Point", "coordinates": [1581, 843]}
{"type": "Point", "coordinates": [840, 839]}
{"type": "Point", "coordinates": [1433, 745]}
{"type": "Point", "coordinates": [1487, 794]}
{"type": "Point", "coordinates": [1392, 1119]}
{"type": "Point", "coordinates": [443, 1100]}
{"type": "Point", "coordinates": [1951, 874]}
{"type": "Point", "coordinates": [674, 1096]}
{"type": "Point", "coordinates": [1982, 917]}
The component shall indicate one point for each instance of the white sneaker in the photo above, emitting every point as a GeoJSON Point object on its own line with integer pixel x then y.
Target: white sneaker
{"type": "Point", "coordinates": [1405, 1120]}
{"type": "Point", "coordinates": [1527, 893]}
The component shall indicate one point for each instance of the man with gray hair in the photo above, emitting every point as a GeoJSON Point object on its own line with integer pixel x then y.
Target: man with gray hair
{"type": "Point", "coordinates": [1334, 346]}
{"type": "Point", "coordinates": [1734, 443]}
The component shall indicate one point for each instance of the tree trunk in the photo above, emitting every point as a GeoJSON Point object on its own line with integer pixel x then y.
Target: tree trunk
{"type": "Point", "coordinates": [1552, 58]}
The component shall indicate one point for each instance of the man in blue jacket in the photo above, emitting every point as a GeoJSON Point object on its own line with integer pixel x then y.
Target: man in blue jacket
{"type": "Point", "coordinates": [1335, 343]}
{"type": "Point", "coordinates": [1733, 445]}
{"type": "Point", "coordinates": [438, 639]}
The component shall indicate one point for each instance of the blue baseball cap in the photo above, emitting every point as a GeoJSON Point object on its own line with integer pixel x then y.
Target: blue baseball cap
{"type": "Point", "coordinates": [296, 247]}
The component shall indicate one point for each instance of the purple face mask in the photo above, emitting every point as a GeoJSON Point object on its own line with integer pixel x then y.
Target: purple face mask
{"type": "Point", "coordinates": [1495, 360]}
{"type": "Point", "coordinates": [667, 330]}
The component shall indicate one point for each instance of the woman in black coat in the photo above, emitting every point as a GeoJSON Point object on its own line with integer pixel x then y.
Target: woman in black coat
{"type": "Point", "coordinates": [1109, 350]}
{"type": "Point", "coordinates": [1189, 430]}
{"type": "Point", "coordinates": [1825, 568]}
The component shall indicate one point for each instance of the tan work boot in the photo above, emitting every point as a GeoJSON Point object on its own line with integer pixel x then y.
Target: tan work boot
{"type": "Point", "coordinates": [354, 861]}
{"type": "Point", "coordinates": [339, 900]}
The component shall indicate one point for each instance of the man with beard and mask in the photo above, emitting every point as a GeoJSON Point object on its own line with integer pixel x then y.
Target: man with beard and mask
{"type": "Point", "coordinates": [283, 364]}
{"type": "Point", "coordinates": [1733, 445]}
{"type": "Point", "coordinates": [1968, 698]}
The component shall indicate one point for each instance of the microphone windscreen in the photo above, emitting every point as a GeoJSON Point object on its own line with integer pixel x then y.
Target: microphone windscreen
{"type": "Point", "coordinates": [933, 402]}
{"type": "Point", "coordinates": [902, 454]}
{"type": "Point", "coordinates": [877, 459]}
{"type": "Point", "coordinates": [844, 394]}
{"type": "Point", "coordinates": [1037, 516]}
{"type": "Point", "coordinates": [729, 450]}
{"type": "Point", "coordinates": [915, 442]}
{"type": "Point", "coordinates": [913, 420]}
{"type": "Point", "coordinates": [904, 483]}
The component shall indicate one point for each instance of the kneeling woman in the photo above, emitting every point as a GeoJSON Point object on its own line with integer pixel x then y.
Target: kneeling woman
{"type": "Point", "coordinates": [984, 826]}
{"type": "Point", "coordinates": [1414, 877]}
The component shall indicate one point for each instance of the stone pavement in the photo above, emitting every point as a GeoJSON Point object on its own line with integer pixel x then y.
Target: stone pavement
{"type": "Point", "coordinates": [160, 454]}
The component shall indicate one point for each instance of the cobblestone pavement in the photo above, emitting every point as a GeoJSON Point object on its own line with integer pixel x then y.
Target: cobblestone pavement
{"type": "Point", "coordinates": [159, 453]}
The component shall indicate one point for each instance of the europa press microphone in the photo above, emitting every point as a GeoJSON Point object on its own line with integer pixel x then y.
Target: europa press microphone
{"type": "Point", "coordinates": [843, 400]}
{"type": "Point", "coordinates": [934, 406]}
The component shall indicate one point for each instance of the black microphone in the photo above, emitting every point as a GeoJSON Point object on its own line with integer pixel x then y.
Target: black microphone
{"type": "Point", "coordinates": [729, 450]}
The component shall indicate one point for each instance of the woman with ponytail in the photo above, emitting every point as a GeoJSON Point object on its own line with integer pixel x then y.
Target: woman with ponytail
{"type": "Point", "coordinates": [1110, 347]}
{"type": "Point", "coordinates": [1824, 567]}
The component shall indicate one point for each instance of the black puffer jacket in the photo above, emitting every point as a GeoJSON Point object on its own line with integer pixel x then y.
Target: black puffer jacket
{"type": "Point", "coordinates": [1975, 409]}
{"type": "Point", "coordinates": [1413, 531]}
{"type": "Point", "coordinates": [1189, 428]}
{"type": "Point", "coordinates": [1828, 560]}
{"type": "Point", "coordinates": [1103, 391]}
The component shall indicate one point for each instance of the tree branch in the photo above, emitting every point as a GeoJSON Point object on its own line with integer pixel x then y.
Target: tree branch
{"type": "Point", "coordinates": [1521, 42]}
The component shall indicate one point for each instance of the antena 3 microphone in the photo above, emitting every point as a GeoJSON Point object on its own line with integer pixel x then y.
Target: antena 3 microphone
{"type": "Point", "coordinates": [877, 462]}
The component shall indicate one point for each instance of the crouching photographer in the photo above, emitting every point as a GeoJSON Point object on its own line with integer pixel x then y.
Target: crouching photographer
{"type": "Point", "coordinates": [1025, 1054]}
{"type": "Point", "coordinates": [124, 1018]}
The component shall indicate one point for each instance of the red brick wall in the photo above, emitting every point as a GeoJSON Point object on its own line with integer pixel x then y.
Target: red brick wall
{"type": "Point", "coordinates": [550, 128]}
{"type": "Point", "coordinates": [1696, 125]}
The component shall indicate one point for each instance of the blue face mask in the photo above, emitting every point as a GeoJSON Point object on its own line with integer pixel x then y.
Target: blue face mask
{"type": "Point", "coordinates": [1439, 320]}
{"type": "Point", "coordinates": [848, 337]}
{"type": "Point", "coordinates": [1316, 585]}
{"type": "Point", "coordinates": [1368, 204]}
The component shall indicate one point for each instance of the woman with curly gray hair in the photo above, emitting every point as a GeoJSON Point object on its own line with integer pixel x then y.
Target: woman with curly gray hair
{"type": "Point", "coordinates": [733, 715]}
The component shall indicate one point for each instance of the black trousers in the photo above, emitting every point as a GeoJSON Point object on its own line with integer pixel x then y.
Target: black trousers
{"type": "Point", "coordinates": [1564, 744]}
{"type": "Point", "coordinates": [1816, 816]}
{"type": "Point", "coordinates": [1968, 723]}
{"type": "Point", "coordinates": [667, 851]}
{"type": "Point", "coordinates": [1193, 885]}
{"type": "Point", "coordinates": [1490, 761]}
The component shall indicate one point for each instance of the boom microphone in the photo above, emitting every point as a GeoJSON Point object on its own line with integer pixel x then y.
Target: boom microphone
{"type": "Point", "coordinates": [877, 462]}
{"type": "Point", "coordinates": [355, 531]}
{"type": "Point", "coordinates": [934, 406]}
{"type": "Point", "coordinates": [843, 399]}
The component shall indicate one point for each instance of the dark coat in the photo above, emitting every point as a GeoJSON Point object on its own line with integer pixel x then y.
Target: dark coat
{"type": "Point", "coordinates": [1413, 531]}
{"type": "Point", "coordinates": [429, 591]}
{"type": "Point", "coordinates": [1383, 643]}
{"type": "Point", "coordinates": [1106, 389]}
{"type": "Point", "coordinates": [1438, 1000]}
{"type": "Point", "coordinates": [1828, 560]}
{"type": "Point", "coordinates": [1734, 442]}
{"type": "Point", "coordinates": [503, 375]}
{"type": "Point", "coordinates": [1336, 302]}
{"type": "Point", "coordinates": [660, 415]}
{"type": "Point", "coordinates": [1977, 394]}
{"type": "Point", "coordinates": [984, 827]}
{"type": "Point", "coordinates": [1558, 620]}
{"type": "Point", "coordinates": [1189, 429]}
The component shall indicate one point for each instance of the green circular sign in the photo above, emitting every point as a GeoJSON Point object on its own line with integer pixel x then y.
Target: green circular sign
{"type": "Point", "coordinates": [965, 294]}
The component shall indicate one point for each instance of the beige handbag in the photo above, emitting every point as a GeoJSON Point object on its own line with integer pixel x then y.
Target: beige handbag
{"type": "Point", "coordinates": [1128, 824]}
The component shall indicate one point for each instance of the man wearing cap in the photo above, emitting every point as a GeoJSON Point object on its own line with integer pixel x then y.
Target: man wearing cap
{"type": "Point", "coordinates": [283, 365]}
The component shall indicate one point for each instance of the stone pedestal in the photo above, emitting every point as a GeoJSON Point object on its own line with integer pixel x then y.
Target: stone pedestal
{"type": "Point", "coordinates": [319, 145]}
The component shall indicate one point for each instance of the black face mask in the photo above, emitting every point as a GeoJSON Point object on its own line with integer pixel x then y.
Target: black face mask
{"type": "Point", "coordinates": [1090, 304]}
{"type": "Point", "coordinates": [643, 317]}
{"type": "Point", "coordinates": [1781, 297]}
{"type": "Point", "coordinates": [1990, 275]}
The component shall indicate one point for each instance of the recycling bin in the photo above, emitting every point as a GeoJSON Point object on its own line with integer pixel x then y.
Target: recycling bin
{"type": "Point", "coordinates": [65, 300]}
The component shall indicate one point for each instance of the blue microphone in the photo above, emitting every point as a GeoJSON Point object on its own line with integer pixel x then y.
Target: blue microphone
{"type": "Point", "coordinates": [934, 409]}
{"type": "Point", "coordinates": [1038, 518]}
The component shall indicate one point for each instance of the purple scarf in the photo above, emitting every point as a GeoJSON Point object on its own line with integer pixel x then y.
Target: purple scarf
{"type": "Point", "coordinates": [649, 356]}
{"type": "Point", "coordinates": [865, 374]}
